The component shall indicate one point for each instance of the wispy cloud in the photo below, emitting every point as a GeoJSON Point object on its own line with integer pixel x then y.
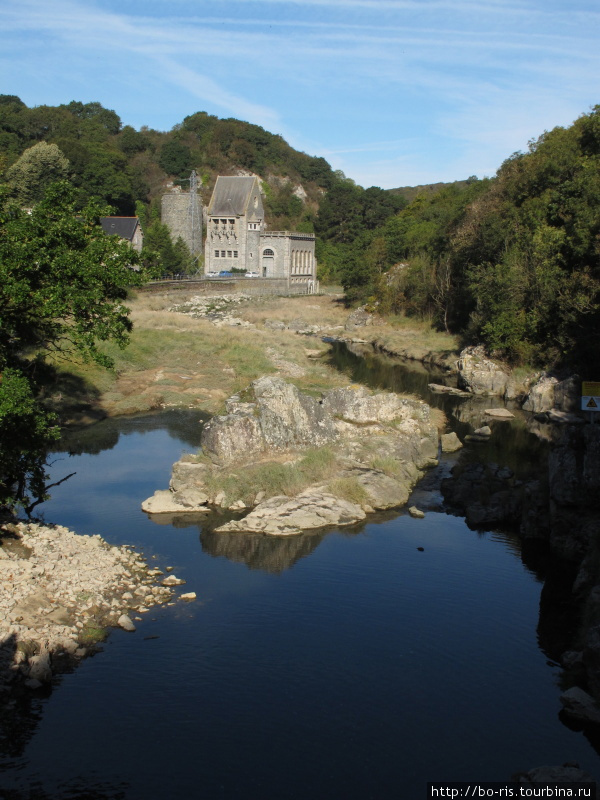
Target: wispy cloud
{"type": "Point", "coordinates": [430, 83]}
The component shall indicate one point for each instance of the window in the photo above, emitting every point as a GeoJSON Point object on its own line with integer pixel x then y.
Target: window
{"type": "Point", "coordinates": [223, 222]}
{"type": "Point", "coordinates": [229, 254]}
{"type": "Point", "coordinates": [235, 253]}
{"type": "Point", "coordinates": [232, 222]}
{"type": "Point", "coordinates": [268, 252]}
{"type": "Point", "coordinates": [216, 253]}
{"type": "Point", "coordinates": [222, 253]}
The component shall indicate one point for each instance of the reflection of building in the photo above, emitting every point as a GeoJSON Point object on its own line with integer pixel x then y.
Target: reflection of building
{"type": "Point", "coordinates": [127, 228]}
{"type": "Point", "coordinates": [236, 237]}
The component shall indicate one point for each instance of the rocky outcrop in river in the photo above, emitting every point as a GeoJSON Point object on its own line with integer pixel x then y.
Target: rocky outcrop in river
{"type": "Point", "coordinates": [379, 444]}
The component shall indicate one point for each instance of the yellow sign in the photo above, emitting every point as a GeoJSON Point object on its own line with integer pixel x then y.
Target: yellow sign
{"type": "Point", "coordinates": [590, 388]}
{"type": "Point", "coordinates": [590, 399]}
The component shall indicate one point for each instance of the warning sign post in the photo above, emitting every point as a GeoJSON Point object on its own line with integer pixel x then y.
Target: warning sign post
{"type": "Point", "coordinates": [590, 396]}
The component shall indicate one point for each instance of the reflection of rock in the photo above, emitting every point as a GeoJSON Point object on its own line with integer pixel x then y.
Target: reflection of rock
{"type": "Point", "coordinates": [485, 493]}
{"type": "Point", "coordinates": [479, 374]}
{"type": "Point", "coordinates": [559, 774]}
{"type": "Point", "coordinates": [269, 553]}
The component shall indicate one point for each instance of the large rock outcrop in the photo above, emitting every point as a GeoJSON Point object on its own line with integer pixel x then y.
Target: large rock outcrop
{"type": "Point", "coordinates": [380, 442]}
{"type": "Point", "coordinates": [479, 374]}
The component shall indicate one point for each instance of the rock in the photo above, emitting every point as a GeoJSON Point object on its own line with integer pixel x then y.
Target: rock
{"type": "Point", "coordinates": [479, 374]}
{"type": "Point", "coordinates": [171, 580]}
{"type": "Point", "coordinates": [356, 404]}
{"type": "Point", "coordinates": [485, 430]}
{"type": "Point", "coordinates": [229, 438]}
{"type": "Point", "coordinates": [382, 491]}
{"type": "Point", "coordinates": [39, 669]}
{"type": "Point", "coordinates": [190, 497]}
{"type": "Point", "coordinates": [499, 413]}
{"type": "Point", "coordinates": [125, 622]}
{"type": "Point", "coordinates": [541, 395]}
{"type": "Point", "coordinates": [567, 394]}
{"type": "Point", "coordinates": [439, 388]}
{"type": "Point", "coordinates": [416, 512]}
{"type": "Point", "coordinates": [282, 516]}
{"type": "Point", "coordinates": [450, 442]}
{"type": "Point", "coordinates": [188, 596]}
{"type": "Point", "coordinates": [163, 501]}
{"type": "Point", "coordinates": [359, 318]}
{"type": "Point", "coordinates": [580, 706]}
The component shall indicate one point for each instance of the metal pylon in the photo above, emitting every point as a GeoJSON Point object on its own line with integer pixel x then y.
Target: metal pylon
{"type": "Point", "coordinates": [194, 220]}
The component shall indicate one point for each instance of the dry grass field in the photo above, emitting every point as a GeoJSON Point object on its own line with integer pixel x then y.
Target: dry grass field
{"type": "Point", "coordinates": [176, 360]}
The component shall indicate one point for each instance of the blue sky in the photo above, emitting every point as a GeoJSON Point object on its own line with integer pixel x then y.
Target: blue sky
{"type": "Point", "coordinates": [392, 92]}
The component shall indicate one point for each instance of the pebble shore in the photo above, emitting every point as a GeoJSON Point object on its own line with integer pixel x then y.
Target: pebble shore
{"type": "Point", "coordinates": [60, 592]}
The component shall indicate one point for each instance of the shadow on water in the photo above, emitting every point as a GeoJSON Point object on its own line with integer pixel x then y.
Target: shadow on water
{"type": "Point", "coordinates": [182, 424]}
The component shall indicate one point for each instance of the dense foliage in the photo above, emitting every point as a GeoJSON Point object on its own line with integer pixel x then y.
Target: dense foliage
{"type": "Point", "coordinates": [513, 261]}
{"type": "Point", "coordinates": [63, 284]}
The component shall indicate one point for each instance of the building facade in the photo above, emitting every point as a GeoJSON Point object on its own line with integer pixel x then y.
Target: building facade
{"type": "Point", "coordinates": [127, 228]}
{"type": "Point", "coordinates": [236, 237]}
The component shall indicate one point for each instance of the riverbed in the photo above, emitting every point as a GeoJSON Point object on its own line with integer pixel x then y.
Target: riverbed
{"type": "Point", "coordinates": [357, 663]}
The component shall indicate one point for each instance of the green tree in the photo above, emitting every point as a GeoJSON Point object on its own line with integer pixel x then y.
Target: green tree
{"type": "Point", "coordinates": [63, 284]}
{"type": "Point", "coordinates": [37, 168]}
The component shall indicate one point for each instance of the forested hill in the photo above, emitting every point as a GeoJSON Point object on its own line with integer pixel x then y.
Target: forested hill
{"type": "Point", "coordinates": [125, 167]}
{"type": "Point", "coordinates": [410, 193]}
{"type": "Point", "coordinates": [513, 262]}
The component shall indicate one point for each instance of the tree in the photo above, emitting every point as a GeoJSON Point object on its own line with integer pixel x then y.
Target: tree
{"type": "Point", "coordinates": [39, 166]}
{"type": "Point", "coordinates": [63, 284]}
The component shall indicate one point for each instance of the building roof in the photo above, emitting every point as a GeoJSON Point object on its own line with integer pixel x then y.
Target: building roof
{"type": "Point", "coordinates": [231, 196]}
{"type": "Point", "coordinates": [121, 226]}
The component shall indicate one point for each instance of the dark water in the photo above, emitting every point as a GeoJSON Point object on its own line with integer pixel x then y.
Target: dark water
{"type": "Point", "coordinates": [345, 664]}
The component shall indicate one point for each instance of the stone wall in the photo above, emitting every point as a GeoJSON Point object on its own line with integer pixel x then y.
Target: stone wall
{"type": "Point", "coordinates": [175, 214]}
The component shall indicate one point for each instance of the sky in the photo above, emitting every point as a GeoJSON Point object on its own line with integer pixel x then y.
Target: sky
{"type": "Point", "coordinates": [391, 92]}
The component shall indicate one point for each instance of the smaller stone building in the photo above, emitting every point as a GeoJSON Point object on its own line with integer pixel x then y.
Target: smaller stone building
{"type": "Point", "coordinates": [127, 228]}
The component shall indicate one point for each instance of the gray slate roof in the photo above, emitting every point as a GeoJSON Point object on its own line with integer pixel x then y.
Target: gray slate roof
{"type": "Point", "coordinates": [121, 226]}
{"type": "Point", "coordinates": [231, 195]}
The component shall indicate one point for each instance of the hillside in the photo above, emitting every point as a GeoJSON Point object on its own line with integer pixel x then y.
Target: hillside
{"type": "Point", "coordinates": [410, 193]}
{"type": "Point", "coordinates": [124, 166]}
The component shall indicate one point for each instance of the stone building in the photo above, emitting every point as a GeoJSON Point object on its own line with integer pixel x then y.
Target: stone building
{"type": "Point", "coordinates": [236, 236]}
{"type": "Point", "coordinates": [127, 228]}
{"type": "Point", "coordinates": [179, 212]}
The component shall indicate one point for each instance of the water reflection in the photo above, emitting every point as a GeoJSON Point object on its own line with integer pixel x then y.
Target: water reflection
{"type": "Point", "coordinates": [182, 424]}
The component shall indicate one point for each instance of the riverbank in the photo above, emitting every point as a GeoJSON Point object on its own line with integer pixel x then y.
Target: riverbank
{"type": "Point", "coordinates": [191, 351]}
{"type": "Point", "coordinates": [60, 592]}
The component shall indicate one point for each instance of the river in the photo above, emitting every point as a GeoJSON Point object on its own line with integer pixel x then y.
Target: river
{"type": "Point", "coordinates": [343, 664]}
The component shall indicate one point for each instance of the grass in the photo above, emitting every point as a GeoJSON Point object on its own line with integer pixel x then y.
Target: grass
{"type": "Point", "coordinates": [273, 477]}
{"type": "Point", "coordinates": [348, 489]}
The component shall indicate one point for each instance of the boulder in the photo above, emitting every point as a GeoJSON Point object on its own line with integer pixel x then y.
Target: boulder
{"type": "Point", "coordinates": [450, 442]}
{"type": "Point", "coordinates": [125, 622]}
{"type": "Point", "coordinates": [359, 318]}
{"type": "Point", "coordinates": [541, 395]}
{"type": "Point", "coordinates": [284, 516]}
{"type": "Point", "coordinates": [164, 501]}
{"type": "Point", "coordinates": [381, 490]}
{"type": "Point", "coordinates": [581, 706]}
{"type": "Point", "coordinates": [479, 374]}
{"type": "Point", "coordinates": [232, 437]}
{"type": "Point", "coordinates": [357, 405]}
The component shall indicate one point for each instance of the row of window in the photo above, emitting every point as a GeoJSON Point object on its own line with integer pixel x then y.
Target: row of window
{"type": "Point", "coordinates": [226, 253]}
{"type": "Point", "coordinates": [252, 226]}
{"type": "Point", "coordinates": [302, 261]}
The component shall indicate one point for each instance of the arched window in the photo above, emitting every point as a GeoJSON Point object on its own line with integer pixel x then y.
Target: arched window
{"type": "Point", "coordinates": [268, 252]}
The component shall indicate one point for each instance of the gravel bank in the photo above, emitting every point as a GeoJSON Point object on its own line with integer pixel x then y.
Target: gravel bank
{"type": "Point", "coordinates": [59, 592]}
